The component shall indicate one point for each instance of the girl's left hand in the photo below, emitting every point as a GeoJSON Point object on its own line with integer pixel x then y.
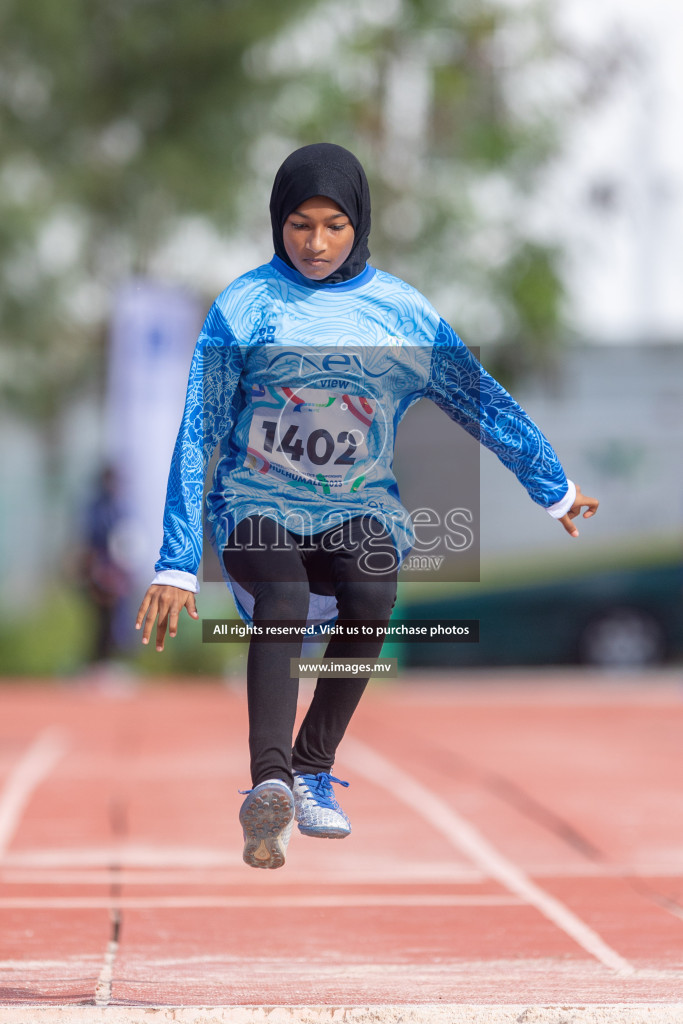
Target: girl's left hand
{"type": "Point", "coordinates": [575, 510]}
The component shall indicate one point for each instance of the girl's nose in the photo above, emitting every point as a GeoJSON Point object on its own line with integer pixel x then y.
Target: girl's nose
{"type": "Point", "coordinates": [314, 241]}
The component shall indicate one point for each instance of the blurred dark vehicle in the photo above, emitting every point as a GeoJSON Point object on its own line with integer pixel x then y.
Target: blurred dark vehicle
{"type": "Point", "coordinates": [609, 617]}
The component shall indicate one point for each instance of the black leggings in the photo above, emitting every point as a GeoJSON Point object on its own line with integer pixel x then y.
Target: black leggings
{"type": "Point", "coordinates": [280, 569]}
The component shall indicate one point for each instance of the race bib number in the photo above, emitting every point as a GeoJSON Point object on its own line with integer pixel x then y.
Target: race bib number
{"type": "Point", "coordinates": [310, 437]}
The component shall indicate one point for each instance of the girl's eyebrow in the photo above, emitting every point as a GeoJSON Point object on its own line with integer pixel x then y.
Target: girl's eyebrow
{"type": "Point", "coordinates": [300, 213]}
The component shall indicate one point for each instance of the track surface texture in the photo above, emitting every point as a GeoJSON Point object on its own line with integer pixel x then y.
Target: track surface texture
{"type": "Point", "coordinates": [516, 856]}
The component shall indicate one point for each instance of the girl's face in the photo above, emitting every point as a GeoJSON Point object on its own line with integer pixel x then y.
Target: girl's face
{"type": "Point", "coordinates": [318, 236]}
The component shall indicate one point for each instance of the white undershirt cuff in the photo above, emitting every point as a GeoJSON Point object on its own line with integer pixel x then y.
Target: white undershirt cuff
{"type": "Point", "coordinates": [177, 578]}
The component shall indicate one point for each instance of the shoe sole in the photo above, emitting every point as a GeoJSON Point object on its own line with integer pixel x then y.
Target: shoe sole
{"type": "Point", "coordinates": [264, 816]}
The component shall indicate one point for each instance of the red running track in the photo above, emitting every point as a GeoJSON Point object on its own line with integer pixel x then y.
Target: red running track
{"type": "Point", "coordinates": [514, 843]}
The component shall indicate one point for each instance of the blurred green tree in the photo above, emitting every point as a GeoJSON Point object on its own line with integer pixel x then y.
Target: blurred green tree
{"type": "Point", "coordinates": [120, 119]}
{"type": "Point", "coordinates": [115, 118]}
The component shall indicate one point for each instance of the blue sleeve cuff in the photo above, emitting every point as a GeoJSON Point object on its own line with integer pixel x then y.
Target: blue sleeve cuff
{"type": "Point", "coordinates": [561, 507]}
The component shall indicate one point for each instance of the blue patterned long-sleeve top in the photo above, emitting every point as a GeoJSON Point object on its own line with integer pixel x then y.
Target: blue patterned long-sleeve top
{"type": "Point", "coordinates": [301, 386]}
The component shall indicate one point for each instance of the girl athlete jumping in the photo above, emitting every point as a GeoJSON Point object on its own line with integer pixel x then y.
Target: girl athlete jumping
{"type": "Point", "coordinates": [301, 374]}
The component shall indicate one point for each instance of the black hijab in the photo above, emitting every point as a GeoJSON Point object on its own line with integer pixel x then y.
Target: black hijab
{"type": "Point", "coordinates": [324, 170]}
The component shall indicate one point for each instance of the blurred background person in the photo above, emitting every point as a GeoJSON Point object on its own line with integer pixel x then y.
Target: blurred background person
{"type": "Point", "coordinates": [104, 574]}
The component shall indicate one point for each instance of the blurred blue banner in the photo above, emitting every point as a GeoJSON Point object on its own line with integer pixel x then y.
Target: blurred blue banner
{"type": "Point", "coordinates": [153, 331]}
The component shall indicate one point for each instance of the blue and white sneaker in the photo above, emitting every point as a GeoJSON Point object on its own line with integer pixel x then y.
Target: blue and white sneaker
{"type": "Point", "coordinates": [267, 816]}
{"type": "Point", "coordinates": [317, 811]}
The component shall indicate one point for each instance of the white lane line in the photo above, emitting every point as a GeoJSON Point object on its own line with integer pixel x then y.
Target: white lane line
{"type": "Point", "coordinates": [151, 879]}
{"type": "Point", "coordinates": [355, 870]}
{"type": "Point", "coordinates": [468, 840]}
{"type": "Point", "coordinates": [672, 907]}
{"type": "Point", "coordinates": [123, 854]}
{"type": "Point", "coordinates": [426, 873]}
{"type": "Point", "coordinates": [384, 1013]}
{"type": "Point", "coordinates": [106, 975]}
{"type": "Point", "coordinates": [166, 902]}
{"type": "Point", "coordinates": [31, 769]}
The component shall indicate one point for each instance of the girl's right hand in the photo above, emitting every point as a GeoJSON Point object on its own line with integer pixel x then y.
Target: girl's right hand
{"type": "Point", "coordinates": [165, 603]}
{"type": "Point", "coordinates": [580, 501]}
